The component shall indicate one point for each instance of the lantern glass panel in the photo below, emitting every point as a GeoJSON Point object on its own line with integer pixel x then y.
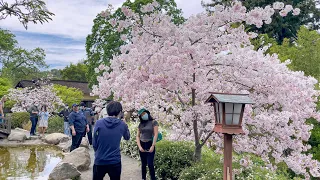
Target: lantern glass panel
{"type": "Point", "coordinates": [229, 107]}
{"type": "Point", "coordinates": [236, 119]}
{"type": "Point", "coordinates": [237, 108]}
{"type": "Point", "coordinates": [220, 112]}
{"type": "Point", "coordinates": [217, 113]}
{"type": "Point", "coordinates": [228, 119]}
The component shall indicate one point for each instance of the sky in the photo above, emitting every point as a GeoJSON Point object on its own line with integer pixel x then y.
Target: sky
{"type": "Point", "coordinates": [63, 38]}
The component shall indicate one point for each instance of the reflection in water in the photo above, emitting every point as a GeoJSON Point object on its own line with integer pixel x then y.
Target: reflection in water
{"type": "Point", "coordinates": [28, 162]}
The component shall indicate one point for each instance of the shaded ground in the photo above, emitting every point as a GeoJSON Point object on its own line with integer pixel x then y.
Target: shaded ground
{"type": "Point", "coordinates": [130, 168]}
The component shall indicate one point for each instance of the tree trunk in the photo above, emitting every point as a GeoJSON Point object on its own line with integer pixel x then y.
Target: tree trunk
{"type": "Point", "coordinates": [197, 153]}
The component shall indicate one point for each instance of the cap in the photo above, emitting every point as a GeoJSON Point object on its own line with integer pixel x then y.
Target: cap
{"type": "Point", "coordinates": [73, 105]}
{"type": "Point", "coordinates": [141, 111]}
{"type": "Point", "coordinates": [82, 104]}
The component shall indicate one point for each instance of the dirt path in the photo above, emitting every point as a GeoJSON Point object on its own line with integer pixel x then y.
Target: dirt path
{"type": "Point", "coordinates": [130, 168]}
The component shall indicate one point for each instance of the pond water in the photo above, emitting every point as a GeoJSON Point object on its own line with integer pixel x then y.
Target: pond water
{"type": "Point", "coordinates": [28, 162]}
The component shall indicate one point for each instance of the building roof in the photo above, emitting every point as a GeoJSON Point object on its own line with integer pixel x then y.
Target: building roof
{"type": "Point", "coordinates": [83, 86]}
{"type": "Point", "coordinates": [230, 98]}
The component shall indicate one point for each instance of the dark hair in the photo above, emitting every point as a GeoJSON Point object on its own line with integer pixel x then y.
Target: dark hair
{"type": "Point", "coordinates": [150, 117]}
{"type": "Point", "coordinates": [45, 108]}
{"type": "Point", "coordinates": [114, 108]}
{"type": "Point", "coordinates": [83, 104]}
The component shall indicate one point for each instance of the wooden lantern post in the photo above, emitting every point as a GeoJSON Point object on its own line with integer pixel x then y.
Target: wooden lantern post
{"type": "Point", "coordinates": [228, 112]}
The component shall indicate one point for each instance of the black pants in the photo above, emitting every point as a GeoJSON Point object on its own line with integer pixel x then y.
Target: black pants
{"type": "Point", "coordinates": [147, 159]}
{"type": "Point", "coordinates": [89, 134]}
{"type": "Point", "coordinates": [113, 170]}
{"type": "Point", "coordinates": [76, 140]}
{"type": "Point", "coordinates": [34, 121]}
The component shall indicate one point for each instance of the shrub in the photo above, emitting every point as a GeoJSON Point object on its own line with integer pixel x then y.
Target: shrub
{"type": "Point", "coordinates": [210, 168]}
{"type": "Point", "coordinates": [130, 147]}
{"type": "Point", "coordinates": [19, 119]}
{"type": "Point", "coordinates": [55, 124]}
{"type": "Point", "coordinates": [171, 158]}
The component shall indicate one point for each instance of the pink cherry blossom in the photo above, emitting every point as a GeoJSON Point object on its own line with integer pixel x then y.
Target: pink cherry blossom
{"type": "Point", "coordinates": [296, 11]}
{"type": "Point", "coordinates": [164, 63]}
{"type": "Point", "coordinates": [26, 97]}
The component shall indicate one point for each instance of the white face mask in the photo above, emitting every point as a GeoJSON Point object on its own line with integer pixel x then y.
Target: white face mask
{"type": "Point", "coordinates": [145, 117]}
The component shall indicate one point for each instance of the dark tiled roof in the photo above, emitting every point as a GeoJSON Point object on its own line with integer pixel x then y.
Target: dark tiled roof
{"type": "Point", "coordinates": [83, 86]}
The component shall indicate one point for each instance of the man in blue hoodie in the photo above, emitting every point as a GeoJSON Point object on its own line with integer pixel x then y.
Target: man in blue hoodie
{"type": "Point", "coordinates": [106, 143]}
{"type": "Point", "coordinates": [78, 125]}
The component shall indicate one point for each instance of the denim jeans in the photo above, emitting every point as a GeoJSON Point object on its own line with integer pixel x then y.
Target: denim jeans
{"type": "Point", "coordinates": [34, 121]}
{"type": "Point", "coordinates": [147, 159]}
{"type": "Point", "coordinates": [66, 129]}
{"type": "Point", "coordinates": [1, 120]}
{"type": "Point", "coordinates": [113, 170]}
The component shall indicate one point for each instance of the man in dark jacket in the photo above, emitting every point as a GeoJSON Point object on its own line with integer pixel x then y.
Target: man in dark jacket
{"type": "Point", "coordinates": [106, 143]}
{"type": "Point", "coordinates": [78, 125]}
{"type": "Point", "coordinates": [88, 113]}
{"type": "Point", "coordinates": [65, 114]}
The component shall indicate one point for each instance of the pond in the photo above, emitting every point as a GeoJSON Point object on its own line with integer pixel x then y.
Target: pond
{"type": "Point", "coordinates": [28, 162]}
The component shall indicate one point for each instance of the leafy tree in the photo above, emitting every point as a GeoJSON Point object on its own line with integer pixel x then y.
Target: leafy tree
{"type": "Point", "coordinates": [104, 41]}
{"type": "Point", "coordinates": [304, 52]}
{"type": "Point", "coordinates": [5, 85]}
{"type": "Point", "coordinates": [18, 63]}
{"type": "Point", "coordinates": [75, 72]}
{"type": "Point", "coordinates": [68, 95]}
{"type": "Point", "coordinates": [178, 66]}
{"type": "Point", "coordinates": [34, 11]}
{"type": "Point", "coordinates": [281, 27]}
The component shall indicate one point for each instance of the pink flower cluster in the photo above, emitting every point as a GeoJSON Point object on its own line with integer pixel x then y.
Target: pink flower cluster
{"type": "Point", "coordinates": [163, 63]}
{"type": "Point", "coordinates": [26, 97]}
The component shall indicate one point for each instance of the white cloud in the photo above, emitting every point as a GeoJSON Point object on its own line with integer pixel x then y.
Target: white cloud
{"type": "Point", "coordinates": [73, 19]}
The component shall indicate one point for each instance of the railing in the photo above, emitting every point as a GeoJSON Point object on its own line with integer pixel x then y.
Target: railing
{"type": "Point", "coordinates": [5, 125]}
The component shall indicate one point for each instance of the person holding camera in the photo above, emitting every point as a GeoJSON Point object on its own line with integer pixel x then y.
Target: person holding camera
{"type": "Point", "coordinates": [106, 143]}
{"type": "Point", "coordinates": [147, 136]}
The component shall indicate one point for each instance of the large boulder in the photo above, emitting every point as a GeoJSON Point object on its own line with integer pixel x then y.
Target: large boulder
{"type": "Point", "coordinates": [56, 138]}
{"type": "Point", "coordinates": [17, 136]}
{"type": "Point", "coordinates": [64, 171]}
{"type": "Point", "coordinates": [80, 157]}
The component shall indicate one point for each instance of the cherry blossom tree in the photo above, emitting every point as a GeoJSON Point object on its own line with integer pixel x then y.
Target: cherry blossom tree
{"type": "Point", "coordinates": [175, 68]}
{"type": "Point", "coordinates": [41, 95]}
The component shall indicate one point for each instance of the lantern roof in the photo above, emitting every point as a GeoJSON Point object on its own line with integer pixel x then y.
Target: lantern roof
{"type": "Point", "coordinates": [229, 98]}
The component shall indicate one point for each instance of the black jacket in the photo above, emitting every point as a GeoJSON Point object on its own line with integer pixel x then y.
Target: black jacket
{"type": "Point", "coordinates": [65, 113]}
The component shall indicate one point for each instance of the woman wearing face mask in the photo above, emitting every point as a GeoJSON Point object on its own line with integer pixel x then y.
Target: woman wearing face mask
{"type": "Point", "coordinates": [146, 139]}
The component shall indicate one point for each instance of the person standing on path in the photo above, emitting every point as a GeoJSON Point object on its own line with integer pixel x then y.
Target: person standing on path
{"type": "Point", "coordinates": [88, 113]}
{"type": "Point", "coordinates": [106, 143]}
{"type": "Point", "coordinates": [2, 101]}
{"type": "Point", "coordinates": [44, 117]}
{"type": "Point", "coordinates": [34, 111]}
{"type": "Point", "coordinates": [147, 136]}
{"type": "Point", "coordinates": [65, 114]}
{"type": "Point", "coordinates": [78, 125]}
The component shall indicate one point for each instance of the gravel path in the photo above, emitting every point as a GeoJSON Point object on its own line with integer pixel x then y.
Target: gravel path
{"type": "Point", "coordinates": [130, 169]}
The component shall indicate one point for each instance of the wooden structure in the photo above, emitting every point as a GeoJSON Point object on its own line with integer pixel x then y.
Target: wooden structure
{"type": "Point", "coordinates": [228, 114]}
{"type": "Point", "coordinates": [5, 127]}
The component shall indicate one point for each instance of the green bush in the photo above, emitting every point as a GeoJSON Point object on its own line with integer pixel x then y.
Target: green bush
{"type": "Point", "coordinates": [18, 119]}
{"type": "Point", "coordinates": [55, 124]}
{"type": "Point", "coordinates": [130, 148]}
{"type": "Point", "coordinates": [171, 158]}
{"type": "Point", "coordinates": [210, 168]}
